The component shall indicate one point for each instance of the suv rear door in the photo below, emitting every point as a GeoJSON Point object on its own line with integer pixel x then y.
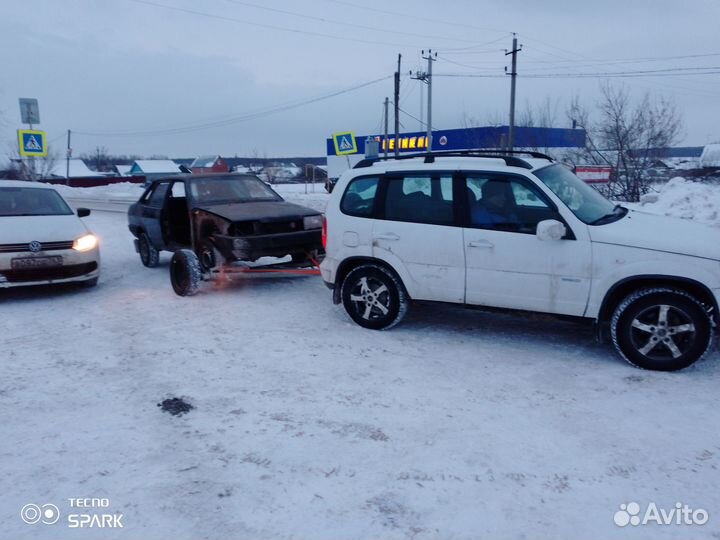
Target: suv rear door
{"type": "Point", "coordinates": [507, 264]}
{"type": "Point", "coordinates": [417, 232]}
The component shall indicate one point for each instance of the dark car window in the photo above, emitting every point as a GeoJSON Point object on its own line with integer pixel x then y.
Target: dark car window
{"type": "Point", "coordinates": [157, 197]}
{"type": "Point", "coordinates": [222, 190]}
{"type": "Point", "coordinates": [420, 199]}
{"type": "Point", "coordinates": [359, 197]}
{"type": "Point", "coordinates": [502, 203]}
{"type": "Point", "coordinates": [20, 201]}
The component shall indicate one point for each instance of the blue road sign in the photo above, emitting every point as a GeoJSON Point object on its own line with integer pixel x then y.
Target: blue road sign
{"type": "Point", "coordinates": [32, 143]}
{"type": "Point", "coordinates": [345, 143]}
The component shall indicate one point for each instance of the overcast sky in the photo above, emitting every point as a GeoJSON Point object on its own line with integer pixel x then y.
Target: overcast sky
{"type": "Point", "coordinates": [119, 72]}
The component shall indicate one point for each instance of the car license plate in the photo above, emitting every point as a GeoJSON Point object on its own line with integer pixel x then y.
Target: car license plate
{"type": "Point", "coordinates": [36, 262]}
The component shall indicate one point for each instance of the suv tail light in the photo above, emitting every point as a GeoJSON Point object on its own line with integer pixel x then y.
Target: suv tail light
{"type": "Point", "coordinates": [324, 232]}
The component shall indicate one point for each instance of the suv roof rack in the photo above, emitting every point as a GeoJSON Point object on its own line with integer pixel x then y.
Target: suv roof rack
{"type": "Point", "coordinates": [507, 155]}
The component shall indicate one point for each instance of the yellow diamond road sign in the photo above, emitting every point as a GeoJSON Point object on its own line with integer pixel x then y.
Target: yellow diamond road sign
{"type": "Point", "coordinates": [345, 143]}
{"type": "Point", "coordinates": [33, 143]}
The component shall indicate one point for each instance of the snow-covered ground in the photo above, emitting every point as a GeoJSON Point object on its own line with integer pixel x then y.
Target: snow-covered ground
{"type": "Point", "coordinates": [456, 424]}
{"type": "Point", "coordinates": [685, 199]}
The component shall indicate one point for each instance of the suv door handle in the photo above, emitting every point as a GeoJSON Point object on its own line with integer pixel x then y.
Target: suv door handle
{"type": "Point", "coordinates": [392, 237]}
{"type": "Point", "coordinates": [481, 244]}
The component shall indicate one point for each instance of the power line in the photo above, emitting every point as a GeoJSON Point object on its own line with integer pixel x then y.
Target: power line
{"type": "Point", "coordinates": [267, 26]}
{"type": "Point", "coordinates": [343, 23]}
{"type": "Point", "coordinates": [418, 18]}
{"type": "Point", "coordinates": [669, 72]}
{"type": "Point", "coordinates": [467, 50]}
{"type": "Point", "coordinates": [461, 64]}
{"type": "Point", "coordinates": [411, 116]}
{"type": "Point", "coordinates": [633, 60]}
{"type": "Point", "coordinates": [232, 119]}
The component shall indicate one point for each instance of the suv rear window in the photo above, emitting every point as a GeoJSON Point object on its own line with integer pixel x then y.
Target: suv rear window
{"type": "Point", "coordinates": [419, 198]}
{"type": "Point", "coordinates": [359, 197]}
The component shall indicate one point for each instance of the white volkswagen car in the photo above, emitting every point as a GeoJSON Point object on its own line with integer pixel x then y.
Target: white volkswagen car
{"type": "Point", "coordinates": [521, 234]}
{"type": "Point", "coordinates": [42, 240]}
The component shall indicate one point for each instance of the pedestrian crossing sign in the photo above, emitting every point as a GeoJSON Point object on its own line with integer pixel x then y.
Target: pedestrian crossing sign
{"type": "Point", "coordinates": [32, 143]}
{"type": "Point", "coordinates": [345, 143]}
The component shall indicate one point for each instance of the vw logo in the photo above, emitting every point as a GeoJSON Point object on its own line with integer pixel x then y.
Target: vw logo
{"type": "Point", "coordinates": [35, 246]}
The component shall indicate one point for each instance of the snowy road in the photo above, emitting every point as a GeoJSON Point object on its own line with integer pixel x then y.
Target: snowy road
{"type": "Point", "coordinates": [456, 424]}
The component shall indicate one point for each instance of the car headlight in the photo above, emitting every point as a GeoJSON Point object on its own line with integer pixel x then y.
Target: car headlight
{"type": "Point", "coordinates": [312, 222]}
{"type": "Point", "coordinates": [85, 243]}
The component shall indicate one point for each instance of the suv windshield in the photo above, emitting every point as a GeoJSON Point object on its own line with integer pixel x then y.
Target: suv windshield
{"type": "Point", "coordinates": [584, 201]}
{"type": "Point", "coordinates": [21, 201]}
{"type": "Point", "coordinates": [231, 190]}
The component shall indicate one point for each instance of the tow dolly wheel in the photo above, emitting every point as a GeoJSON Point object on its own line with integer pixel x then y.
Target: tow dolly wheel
{"type": "Point", "coordinates": [185, 272]}
{"type": "Point", "coordinates": [207, 255]}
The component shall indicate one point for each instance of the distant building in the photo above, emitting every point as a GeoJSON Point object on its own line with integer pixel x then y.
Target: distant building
{"type": "Point", "coordinates": [282, 171]}
{"type": "Point", "coordinates": [710, 157]}
{"type": "Point", "coordinates": [154, 168]}
{"type": "Point", "coordinates": [123, 170]}
{"type": "Point", "coordinates": [492, 138]}
{"type": "Point", "coordinates": [209, 164]}
{"type": "Point", "coordinates": [45, 169]}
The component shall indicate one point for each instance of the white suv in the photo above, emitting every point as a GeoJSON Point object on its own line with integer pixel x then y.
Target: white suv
{"type": "Point", "coordinates": [521, 234]}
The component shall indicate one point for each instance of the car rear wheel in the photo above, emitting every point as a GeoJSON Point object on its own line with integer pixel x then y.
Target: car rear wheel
{"type": "Point", "coordinates": [149, 256]}
{"type": "Point", "coordinates": [374, 297]}
{"type": "Point", "coordinates": [185, 272]}
{"type": "Point", "coordinates": [661, 329]}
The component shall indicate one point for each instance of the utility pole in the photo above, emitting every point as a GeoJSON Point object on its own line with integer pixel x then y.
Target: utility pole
{"type": "Point", "coordinates": [426, 77]}
{"type": "Point", "coordinates": [513, 77]}
{"type": "Point", "coordinates": [67, 159]}
{"type": "Point", "coordinates": [397, 107]}
{"type": "Point", "coordinates": [385, 141]}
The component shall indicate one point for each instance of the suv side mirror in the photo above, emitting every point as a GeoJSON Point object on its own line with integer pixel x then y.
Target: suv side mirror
{"type": "Point", "coordinates": [83, 212]}
{"type": "Point", "coordinates": [550, 229]}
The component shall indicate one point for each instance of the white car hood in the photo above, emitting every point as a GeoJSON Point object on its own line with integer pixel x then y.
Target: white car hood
{"type": "Point", "coordinates": [21, 229]}
{"type": "Point", "coordinates": [660, 233]}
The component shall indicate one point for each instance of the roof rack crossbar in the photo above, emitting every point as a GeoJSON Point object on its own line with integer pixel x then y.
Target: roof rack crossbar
{"type": "Point", "coordinates": [510, 160]}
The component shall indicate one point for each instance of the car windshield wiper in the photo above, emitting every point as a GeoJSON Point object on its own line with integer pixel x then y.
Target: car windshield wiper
{"type": "Point", "coordinates": [617, 213]}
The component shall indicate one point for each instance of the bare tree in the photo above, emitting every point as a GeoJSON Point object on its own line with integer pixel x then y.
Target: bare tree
{"type": "Point", "coordinates": [589, 154]}
{"type": "Point", "coordinates": [100, 158]}
{"type": "Point", "coordinates": [32, 168]}
{"type": "Point", "coordinates": [545, 114]}
{"type": "Point", "coordinates": [627, 137]}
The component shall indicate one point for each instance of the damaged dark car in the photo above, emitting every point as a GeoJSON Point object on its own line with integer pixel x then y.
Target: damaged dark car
{"type": "Point", "coordinates": [215, 222]}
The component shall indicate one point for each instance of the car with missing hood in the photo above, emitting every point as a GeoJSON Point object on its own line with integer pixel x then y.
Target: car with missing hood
{"type": "Point", "coordinates": [215, 221]}
{"type": "Point", "coordinates": [42, 240]}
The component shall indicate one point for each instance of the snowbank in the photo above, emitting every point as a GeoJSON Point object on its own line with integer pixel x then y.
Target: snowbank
{"type": "Point", "coordinates": [121, 191]}
{"type": "Point", "coordinates": [685, 199]}
{"type": "Point", "coordinates": [126, 193]}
